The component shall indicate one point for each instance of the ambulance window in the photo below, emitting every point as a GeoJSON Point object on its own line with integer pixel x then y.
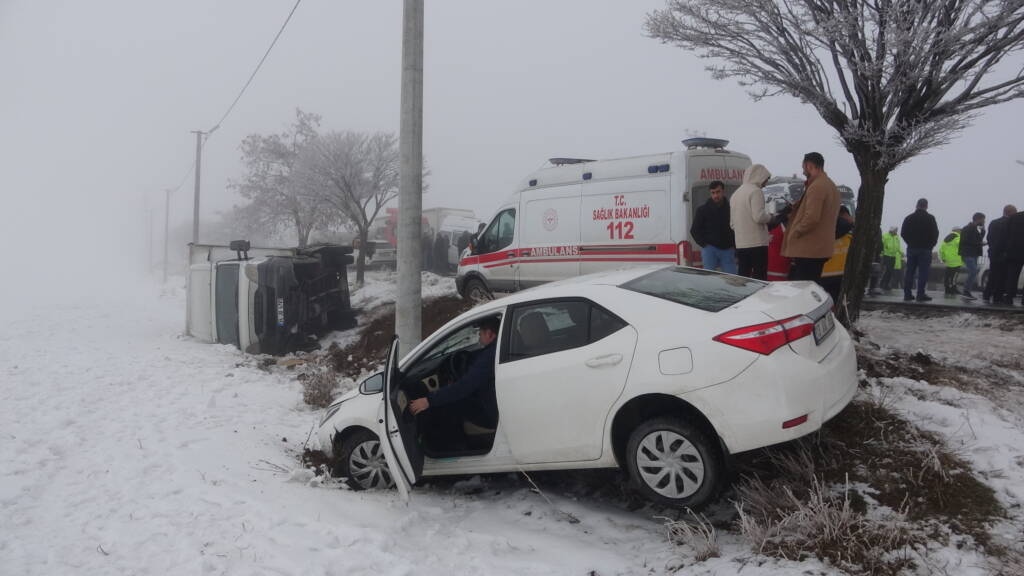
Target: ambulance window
{"type": "Point", "coordinates": [500, 233]}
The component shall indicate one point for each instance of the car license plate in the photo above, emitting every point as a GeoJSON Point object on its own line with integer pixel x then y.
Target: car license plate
{"type": "Point", "coordinates": [823, 327]}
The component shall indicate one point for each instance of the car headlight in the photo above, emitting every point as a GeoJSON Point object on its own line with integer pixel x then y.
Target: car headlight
{"type": "Point", "coordinates": [331, 411]}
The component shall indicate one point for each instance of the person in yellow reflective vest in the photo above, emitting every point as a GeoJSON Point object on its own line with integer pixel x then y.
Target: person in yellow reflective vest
{"type": "Point", "coordinates": [949, 253]}
{"type": "Point", "coordinates": [892, 257]}
{"type": "Point", "coordinates": [832, 272]}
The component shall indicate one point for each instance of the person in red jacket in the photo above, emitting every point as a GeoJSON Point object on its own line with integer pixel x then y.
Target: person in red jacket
{"type": "Point", "coordinates": [778, 265]}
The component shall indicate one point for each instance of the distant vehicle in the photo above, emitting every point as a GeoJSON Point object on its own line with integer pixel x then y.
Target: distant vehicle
{"type": "Point", "coordinates": [384, 255]}
{"type": "Point", "coordinates": [579, 216]}
{"type": "Point", "coordinates": [781, 192]}
{"type": "Point", "coordinates": [595, 372]}
{"type": "Point", "coordinates": [452, 229]}
{"type": "Point", "coordinates": [267, 300]}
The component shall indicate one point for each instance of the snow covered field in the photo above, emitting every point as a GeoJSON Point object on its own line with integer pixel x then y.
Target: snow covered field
{"type": "Point", "coordinates": [129, 449]}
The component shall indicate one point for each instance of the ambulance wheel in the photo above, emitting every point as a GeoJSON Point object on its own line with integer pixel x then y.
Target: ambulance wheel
{"type": "Point", "coordinates": [476, 291]}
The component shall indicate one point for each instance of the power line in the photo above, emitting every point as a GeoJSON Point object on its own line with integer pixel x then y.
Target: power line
{"type": "Point", "coordinates": [257, 69]}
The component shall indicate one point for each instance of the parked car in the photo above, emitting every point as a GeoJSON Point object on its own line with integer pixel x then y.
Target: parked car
{"type": "Point", "coordinates": [580, 216]}
{"type": "Point", "coordinates": [664, 372]}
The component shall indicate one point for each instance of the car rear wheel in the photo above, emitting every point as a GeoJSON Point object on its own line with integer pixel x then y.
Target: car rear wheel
{"type": "Point", "coordinates": [476, 291]}
{"type": "Point", "coordinates": [673, 463]}
{"type": "Point", "coordinates": [361, 462]}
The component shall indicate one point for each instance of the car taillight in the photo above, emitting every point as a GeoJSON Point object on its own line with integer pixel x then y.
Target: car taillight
{"type": "Point", "coordinates": [768, 337]}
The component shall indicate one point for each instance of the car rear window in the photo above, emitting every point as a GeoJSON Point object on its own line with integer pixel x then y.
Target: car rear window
{"type": "Point", "coordinates": [701, 289]}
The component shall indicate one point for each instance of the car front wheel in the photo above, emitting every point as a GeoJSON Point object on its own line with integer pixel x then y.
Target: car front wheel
{"type": "Point", "coordinates": [361, 462]}
{"type": "Point", "coordinates": [673, 463]}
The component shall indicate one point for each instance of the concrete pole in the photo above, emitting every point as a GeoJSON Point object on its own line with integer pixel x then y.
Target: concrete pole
{"type": "Point", "coordinates": [195, 204]}
{"type": "Point", "coordinates": [408, 320]}
{"type": "Point", "coordinates": [167, 212]}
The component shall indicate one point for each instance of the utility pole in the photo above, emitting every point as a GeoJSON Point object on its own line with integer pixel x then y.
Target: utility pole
{"type": "Point", "coordinates": [408, 310]}
{"type": "Point", "coordinates": [167, 212]}
{"type": "Point", "coordinates": [195, 204]}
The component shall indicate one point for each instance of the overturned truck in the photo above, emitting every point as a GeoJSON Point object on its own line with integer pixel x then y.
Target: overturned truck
{"type": "Point", "coordinates": [267, 300]}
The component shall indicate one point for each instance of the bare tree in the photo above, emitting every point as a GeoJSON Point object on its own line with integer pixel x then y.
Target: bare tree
{"type": "Point", "coordinates": [353, 174]}
{"type": "Point", "coordinates": [271, 185]}
{"type": "Point", "coordinates": [894, 78]}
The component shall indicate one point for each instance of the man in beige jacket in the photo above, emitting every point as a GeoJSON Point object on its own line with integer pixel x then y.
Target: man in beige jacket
{"type": "Point", "coordinates": [811, 234]}
{"type": "Point", "coordinates": [749, 220]}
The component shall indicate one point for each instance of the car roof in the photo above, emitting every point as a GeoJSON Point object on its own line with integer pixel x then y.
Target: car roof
{"type": "Point", "coordinates": [570, 286]}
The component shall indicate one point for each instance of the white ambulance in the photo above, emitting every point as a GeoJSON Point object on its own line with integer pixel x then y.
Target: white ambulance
{"type": "Point", "coordinates": [579, 216]}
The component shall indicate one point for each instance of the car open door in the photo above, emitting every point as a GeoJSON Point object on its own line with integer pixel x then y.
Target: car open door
{"type": "Point", "coordinates": [398, 429]}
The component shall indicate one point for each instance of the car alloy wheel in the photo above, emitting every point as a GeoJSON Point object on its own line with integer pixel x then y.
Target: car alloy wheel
{"type": "Point", "coordinates": [361, 462]}
{"type": "Point", "coordinates": [669, 464]}
{"type": "Point", "coordinates": [367, 467]}
{"type": "Point", "coordinates": [674, 463]}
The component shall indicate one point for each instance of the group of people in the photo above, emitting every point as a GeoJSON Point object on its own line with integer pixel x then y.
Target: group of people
{"type": "Point", "coordinates": [807, 240]}
{"type": "Point", "coordinates": [435, 250]}
{"type": "Point", "coordinates": [961, 249]}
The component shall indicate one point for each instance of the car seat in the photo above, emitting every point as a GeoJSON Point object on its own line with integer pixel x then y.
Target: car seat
{"type": "Point", "coordinates": [531, 335]}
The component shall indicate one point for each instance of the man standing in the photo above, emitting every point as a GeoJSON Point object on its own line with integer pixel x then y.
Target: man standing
{"type": "Point", "coordinates": [892, 257]}
{"type": "Point", "coordinates": [711, 231]}
{"type": "Point", "coordinates": [749, 221]}
{"type": "Point", "coordinates": [1014, 255]}
{"type": "Point", "coordinates": [811, 234]}
{"type": "Point", "coordinates": [972, 238]}
{"type": "Point", "coordinates": [949, 254]}
{"type": "Point", "coordinates": [921, 233]}
{"type": "Point", "coordinates": [995, 288]}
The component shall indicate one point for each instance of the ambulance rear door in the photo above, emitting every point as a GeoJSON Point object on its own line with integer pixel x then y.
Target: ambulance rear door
{"type": "Point", "coordinates": [702, 169]}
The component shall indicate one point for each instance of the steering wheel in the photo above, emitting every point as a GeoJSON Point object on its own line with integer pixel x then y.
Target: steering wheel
{"type": "Point", "coordinates": [457, 363]}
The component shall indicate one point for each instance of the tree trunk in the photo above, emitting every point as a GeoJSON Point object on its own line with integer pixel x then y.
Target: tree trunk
{"type": "Point", "coordinates": [867, 233]}
{"type": "Point", "coordinates": [364, 232]}
{"type": "Point", "coordinates": [302, 232]}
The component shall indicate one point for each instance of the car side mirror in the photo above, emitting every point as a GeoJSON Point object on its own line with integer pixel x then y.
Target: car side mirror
{"type": "Point", "coordinates": [372, 385]}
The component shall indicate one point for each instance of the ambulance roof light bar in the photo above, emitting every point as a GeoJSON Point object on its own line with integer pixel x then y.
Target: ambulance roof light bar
{"type": "Point", "coordinates": [566, 161]}
{"type": "Point", "coordinates": [715, 143]}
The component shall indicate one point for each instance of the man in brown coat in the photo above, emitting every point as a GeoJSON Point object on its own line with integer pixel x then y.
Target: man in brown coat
{"type": "Point", "coordinates": [811, 234]}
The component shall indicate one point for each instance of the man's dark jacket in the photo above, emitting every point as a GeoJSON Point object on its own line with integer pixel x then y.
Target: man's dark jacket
{"type": "Point", "coordinates": [478, 385]}
{"type": "Point", "coordinates": [920, 231]}
{"type": "Point", "coordinates": [1015, 238]}
{"type": "Point", "coordinates": [711, 225]}
{"type": "Point", "coordinates": [972, 238]}
{"type": "Point", "coordinates": [997, 239]}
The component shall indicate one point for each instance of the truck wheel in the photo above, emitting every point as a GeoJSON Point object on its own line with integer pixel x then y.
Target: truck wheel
{"type": "Point", "coordinates": [673, 463]}
{"type": "Point", "coordinates": [476, 291]}
{"type": "Point", "coordinates": [361, 462]}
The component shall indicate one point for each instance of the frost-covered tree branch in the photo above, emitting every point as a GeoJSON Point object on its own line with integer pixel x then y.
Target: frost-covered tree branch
{"type": "Point", "coordinates": [894, 78]}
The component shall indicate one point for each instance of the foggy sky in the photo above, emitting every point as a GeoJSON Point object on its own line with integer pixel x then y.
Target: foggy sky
{"type": "Point", "coordinates": [99, 97]}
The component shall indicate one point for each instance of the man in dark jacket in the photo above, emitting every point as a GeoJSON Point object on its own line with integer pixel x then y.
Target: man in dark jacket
{"type": "Point", "coordinates": [712, 232]}
{"type": "Point", "coordinates": [921, 233]}
{"type": "Point", "coordinates": [995, 288]}
{"type": "Point", "coordinates": [972, 238]}
{"type": "Point", "coordinates": [1014, 255]}
{"type": "Point", "coordinates": [471, 398]}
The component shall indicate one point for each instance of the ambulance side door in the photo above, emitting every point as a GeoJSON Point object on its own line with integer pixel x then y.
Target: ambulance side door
{"type": "Point", "coordinates": [549, 234]}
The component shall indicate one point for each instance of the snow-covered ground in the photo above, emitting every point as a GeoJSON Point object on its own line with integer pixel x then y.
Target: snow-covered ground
{"type": "Point", "coordinates": [130, 449]}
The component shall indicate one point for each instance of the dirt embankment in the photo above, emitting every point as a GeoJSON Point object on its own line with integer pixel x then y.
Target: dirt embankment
{"type": "Point", "coordinates": [372, 347]}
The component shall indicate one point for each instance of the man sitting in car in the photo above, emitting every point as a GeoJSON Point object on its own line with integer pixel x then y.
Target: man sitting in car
{"type": "Point", "coordinates": [470, 399]}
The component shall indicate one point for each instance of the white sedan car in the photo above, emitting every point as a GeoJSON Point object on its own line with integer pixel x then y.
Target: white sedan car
{"type": "Point", "coordinates": [662, 372]}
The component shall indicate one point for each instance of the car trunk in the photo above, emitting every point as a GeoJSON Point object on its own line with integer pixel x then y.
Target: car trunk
{"type": "Point", "coordinates": [784, 300]}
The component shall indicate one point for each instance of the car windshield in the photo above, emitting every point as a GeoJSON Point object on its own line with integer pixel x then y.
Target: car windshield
{"type": "Point", "coordinates": [701, 289]}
